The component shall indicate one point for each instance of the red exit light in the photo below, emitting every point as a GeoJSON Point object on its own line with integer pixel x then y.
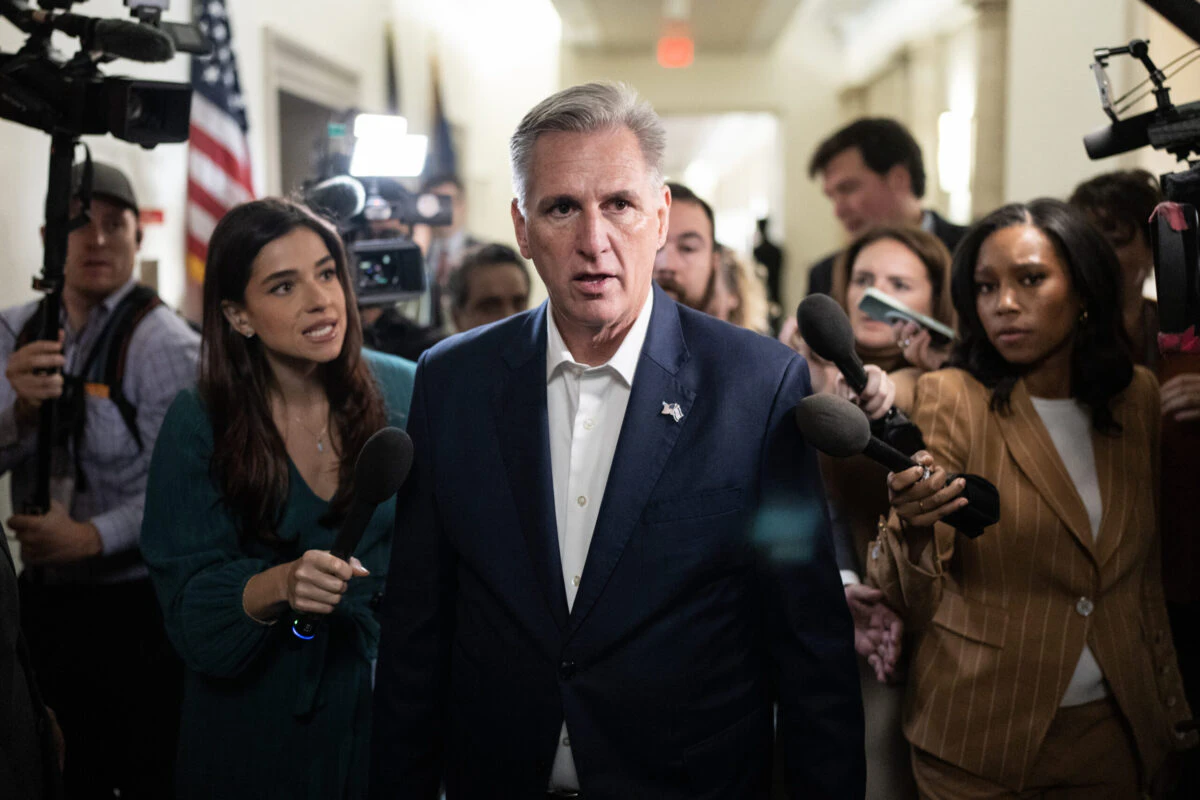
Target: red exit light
{"type": "Point", "coordinates": [676, 52]}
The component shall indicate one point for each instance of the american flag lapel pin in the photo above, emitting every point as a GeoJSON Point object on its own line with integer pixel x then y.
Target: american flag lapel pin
{"type": "Point", "coordinates": [672, 410]}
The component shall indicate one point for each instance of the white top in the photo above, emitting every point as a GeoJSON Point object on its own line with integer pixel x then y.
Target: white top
{"type": "Point", "coordinates": [585, 407]}
{"type": "Point", "coordinates": [1069, 424]}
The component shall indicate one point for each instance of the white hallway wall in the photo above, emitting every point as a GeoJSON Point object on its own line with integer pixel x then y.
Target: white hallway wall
{"type": "Point", "coordinates": [160, 176]}
{"type": "Point", "coordinates": [497, 61]}
{"type": "Point", "coordinates": [792, 80]}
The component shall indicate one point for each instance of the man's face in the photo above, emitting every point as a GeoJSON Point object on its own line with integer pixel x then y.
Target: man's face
{"type": "Point", "coordinates": [459, 204]}
{"type": "Point", "coordinates": [861, 197]}
{"type": "Point", "coordinates": [1134, 253]}
{"type": "Point", "coordinates": [593, 223]}
{"type": "Point", "coordinates": [685, 265]}
{"type": "Point", "coordinates": [101, 254]}
{"type": "Point", "coordinates": [494, 292]}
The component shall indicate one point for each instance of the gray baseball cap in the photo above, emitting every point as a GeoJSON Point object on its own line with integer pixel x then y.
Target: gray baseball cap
{"type": "Point", "coordinates": [108, 182]}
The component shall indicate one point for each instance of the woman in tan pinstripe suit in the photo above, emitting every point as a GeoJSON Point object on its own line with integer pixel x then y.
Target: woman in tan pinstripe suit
{"type": "Point", "coordinates": [1043, 667]}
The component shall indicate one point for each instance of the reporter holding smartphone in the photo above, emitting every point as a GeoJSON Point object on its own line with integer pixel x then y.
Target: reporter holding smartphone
{"type": "Point", "coordinates": [1043, 663]}
{"type": "Point", "coordinates": [913, 267]}
{"type": "Point", "coordinates": [250, 477]}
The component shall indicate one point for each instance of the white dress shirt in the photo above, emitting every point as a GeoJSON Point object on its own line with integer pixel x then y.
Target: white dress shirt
{"type": "Point", "coordinates": [585, 407]}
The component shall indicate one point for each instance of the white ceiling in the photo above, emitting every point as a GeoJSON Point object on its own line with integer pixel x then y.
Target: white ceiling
{"type": "Point", "coordinates": [866, 32]}
{"type": "Point", "coordinates": [616, 26]}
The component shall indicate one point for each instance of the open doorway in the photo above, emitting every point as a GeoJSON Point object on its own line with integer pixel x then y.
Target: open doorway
{"type": "Point", "coordinates": [303, 136]}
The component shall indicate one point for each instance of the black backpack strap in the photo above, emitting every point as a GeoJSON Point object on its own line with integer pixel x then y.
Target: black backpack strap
{"type": "Point", "coordinates": [126, 317]}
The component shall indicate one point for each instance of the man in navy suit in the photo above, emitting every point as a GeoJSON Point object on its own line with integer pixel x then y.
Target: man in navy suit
{"type": "Point", "coordinates": [612, 557]}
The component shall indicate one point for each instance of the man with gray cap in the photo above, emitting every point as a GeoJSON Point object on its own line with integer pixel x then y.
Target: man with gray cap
{"type": "Point", "coordinates": [88, 608]}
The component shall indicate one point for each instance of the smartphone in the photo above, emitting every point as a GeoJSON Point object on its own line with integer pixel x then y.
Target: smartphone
{"type": "Point", "coordinates": [885, 308]}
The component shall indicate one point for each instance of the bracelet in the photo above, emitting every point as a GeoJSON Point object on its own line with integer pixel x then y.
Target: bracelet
{"type": "Point", "coordinates": [264, 622]}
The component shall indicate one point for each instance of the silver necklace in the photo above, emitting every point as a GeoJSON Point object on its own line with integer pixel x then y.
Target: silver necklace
{"type": "Point", "coordinates": [320, 437]}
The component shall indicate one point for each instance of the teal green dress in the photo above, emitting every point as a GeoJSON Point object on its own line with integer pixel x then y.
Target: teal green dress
{"type": "Point", "coordinates": [264, 715]}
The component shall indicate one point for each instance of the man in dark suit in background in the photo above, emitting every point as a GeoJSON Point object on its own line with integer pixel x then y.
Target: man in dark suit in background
{"type": "Point", "coordinates": [873, 173]}
{"type": "Point", "coordinates": [612, 555]}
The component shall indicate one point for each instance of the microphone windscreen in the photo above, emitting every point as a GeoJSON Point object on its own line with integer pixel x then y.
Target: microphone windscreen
{"type": "Point", "coordinates": [132, 40]}
{"type": "Point", "coordinates": [833, 425]}
{"type": "Point", "coordinates": [382, 465]}
{"type": "Point", "coordinates": [826, 328]}
{"type": "Point", "coordinates": [341, 197]}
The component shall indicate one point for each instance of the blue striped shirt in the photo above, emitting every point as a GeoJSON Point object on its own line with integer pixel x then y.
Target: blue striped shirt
{"type": "Point", "coordinates": [162, 359]}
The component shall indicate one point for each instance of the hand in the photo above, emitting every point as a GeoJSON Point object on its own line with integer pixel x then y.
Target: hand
{"type": "Point", "coordinates": [422, 237]}
{"type": "Point", "coordinates": [55, 538]}
{"type": "Point", "coordinates": [877, 629]}
{"type": "Point", "coordinates": [1181, 397]}
{"type": "Point", "coordinates": [877, 397]}
{"type": "Point", "coordinates": [60, 744]}
{"type": "Point", "coordinates": [920, 503]}
{"type": "Point", "coordinates": [317, 580]}
{"type": "Point", "coordinates": [918, 348]}
{"type": "Point", "coordinates": [35, 373]}
{"type": "Point", "coordinates": [789, 334]}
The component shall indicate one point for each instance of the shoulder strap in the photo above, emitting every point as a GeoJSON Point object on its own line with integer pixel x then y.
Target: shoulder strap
{"type": "Point", "coordinates": [128, 314]}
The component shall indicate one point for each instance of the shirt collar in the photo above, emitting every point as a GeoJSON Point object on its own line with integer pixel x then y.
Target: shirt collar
{"type": "Point", "coordinates": [105, 307]}
{"type": "Point", "coordinates": [624, 361]}
{"type": "Point", "coordinates": [928, 221]}
{"type": "Point", "coordinates": [116, 297]}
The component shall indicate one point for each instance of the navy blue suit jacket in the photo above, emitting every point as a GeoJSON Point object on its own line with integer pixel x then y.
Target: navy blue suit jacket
{"type": "Point", "coordinates": [709, 592]}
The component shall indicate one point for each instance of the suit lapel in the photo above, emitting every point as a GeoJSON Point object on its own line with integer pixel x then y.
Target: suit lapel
{"type": "Point", "coordinates": [525, 445]}
{"type": "Point", "coordinates": [1035, 454]}
{"type": "Point", "coordinates": [646, 440]}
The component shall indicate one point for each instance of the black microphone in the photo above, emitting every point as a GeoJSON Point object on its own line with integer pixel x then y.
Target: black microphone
{"type": "Point", "coordinates": [826, 328]}
{"type": "Point", "coordinates": [838, 428]}
{"type": "Point", "coordinates": [380, 471]}
{"type": "Point", "coordinates": [341, 198]}
{"type": "Point", "coordinates": [115, 37]}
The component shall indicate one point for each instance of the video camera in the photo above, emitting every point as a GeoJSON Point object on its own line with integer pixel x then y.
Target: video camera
{"type": "Point", "coordinates": [1175, 231]}
{"type": "Point", "coordinates": [40, 90]}
{"type": "Point", "coordinates": [71, 98]}
{"type": "Point", "coordinates": [375, 212]}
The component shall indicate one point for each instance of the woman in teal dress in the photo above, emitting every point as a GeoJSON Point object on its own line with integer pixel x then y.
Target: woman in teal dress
{"type": "Point", "coordinates": [251, 474]}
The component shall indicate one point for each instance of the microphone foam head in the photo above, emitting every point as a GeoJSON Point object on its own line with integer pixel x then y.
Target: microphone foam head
{"type": "Point", "coordinates": [826, 328]}
{"type": "Point", "coordinates": [382, 465]}
{"type": "Point", "coordinates": [833, 425]}
{"type": "Point", "coordinates": [134, 41]}
{"type": "Point", "coordinates": [341, 197]}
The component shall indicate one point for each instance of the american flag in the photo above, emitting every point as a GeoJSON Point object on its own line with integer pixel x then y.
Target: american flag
{"type": "Point", "coordinates": [218, 153]}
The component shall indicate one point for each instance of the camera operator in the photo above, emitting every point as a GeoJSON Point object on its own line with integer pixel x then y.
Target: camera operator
{"type": "Point", "coordinates": [88, 609]}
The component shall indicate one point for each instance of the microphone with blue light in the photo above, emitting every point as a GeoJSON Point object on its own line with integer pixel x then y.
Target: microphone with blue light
{"type": "Point", "coordinates": [381, 469]}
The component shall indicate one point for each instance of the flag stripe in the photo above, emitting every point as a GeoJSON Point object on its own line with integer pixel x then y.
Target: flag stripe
{"type": "Point", "coordinates": [220, 126]}
{"type": "Point", "coordinates": [200, 223]}
{"type": "Point", "coordinates": [214, 180]}
{"type": "Point", "coordinates": [219, 175]}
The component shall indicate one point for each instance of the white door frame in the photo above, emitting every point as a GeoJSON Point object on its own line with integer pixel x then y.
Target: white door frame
{"type": "Point", "coordinates": [291, 67]}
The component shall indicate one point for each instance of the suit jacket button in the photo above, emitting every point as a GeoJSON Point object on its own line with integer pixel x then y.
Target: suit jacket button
{"type": "Point", "coordinates": [1084, 607]}
{"type": "Point", "coordinates": [566, 670]}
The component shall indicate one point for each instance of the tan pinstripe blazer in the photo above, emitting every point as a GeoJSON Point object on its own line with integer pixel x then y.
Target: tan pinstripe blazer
{"type": "Point", "coordinates": [1001, 620]}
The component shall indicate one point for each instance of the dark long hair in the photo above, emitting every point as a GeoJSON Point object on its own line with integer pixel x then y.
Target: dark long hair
{"type": "Point", "coordinates": [1101, 365]}
{"type": "Point", "coordinates": [249, 461]}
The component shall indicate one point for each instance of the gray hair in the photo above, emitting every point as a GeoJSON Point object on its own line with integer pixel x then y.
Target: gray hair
{"type": "Point", "coordinates": [588, 108]}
